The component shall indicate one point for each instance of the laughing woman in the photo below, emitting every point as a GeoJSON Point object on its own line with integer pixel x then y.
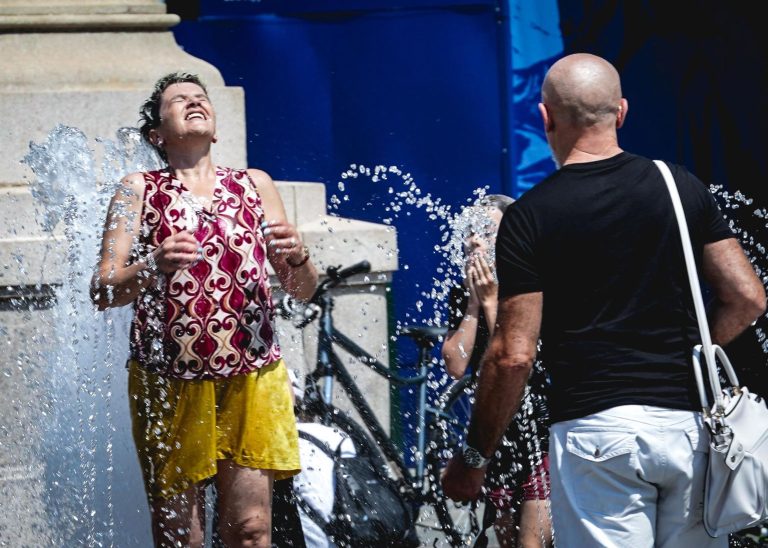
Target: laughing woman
{"type": "Point", "coordinates": [188, 247]}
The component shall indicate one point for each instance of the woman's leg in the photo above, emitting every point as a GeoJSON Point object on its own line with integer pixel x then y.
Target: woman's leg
{"type": "Point", "coordinates": [244, 505]}
{"type": "Point", "coordinates": [180, 520]}
{"type": "Point", "coordinates": [505, 528]}
{"type": "Point", "coordinates": [535, 525]}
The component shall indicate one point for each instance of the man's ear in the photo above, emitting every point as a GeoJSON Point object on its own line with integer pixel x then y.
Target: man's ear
{"type": "Point", "coordinates": [621, 113]}
{"type": "Point", "coordinates": [546, 118]}
{"type": "Point", "coordinates": [214, 139]}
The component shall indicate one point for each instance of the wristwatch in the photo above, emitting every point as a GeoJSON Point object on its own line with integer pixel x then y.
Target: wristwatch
{"type": "Point", "coordinates": [473, 458]}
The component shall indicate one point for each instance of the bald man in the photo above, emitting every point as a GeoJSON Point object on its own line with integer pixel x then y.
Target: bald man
{"type": "Point", "coordinates": [591, 260]}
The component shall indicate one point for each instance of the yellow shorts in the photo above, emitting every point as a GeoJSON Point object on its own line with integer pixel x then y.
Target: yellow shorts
{"type": "Point", "coordinates": [182, 427]}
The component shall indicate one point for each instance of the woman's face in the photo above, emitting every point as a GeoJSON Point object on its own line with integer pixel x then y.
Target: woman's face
{"type": "Point", "coordinates": [482, 237]}
{"type": "Point", "coordinates": [185, 110]}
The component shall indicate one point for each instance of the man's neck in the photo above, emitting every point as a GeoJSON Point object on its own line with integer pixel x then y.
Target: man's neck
{"type": "Point", "coordinates": [583, 156]}
{"type": "Point", "coordinates": [590, 148]}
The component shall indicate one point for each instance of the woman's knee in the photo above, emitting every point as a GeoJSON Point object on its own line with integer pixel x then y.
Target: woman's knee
{"type": "Point", "coordinates": [169, 536]}
{"type": "Point", "coordinates": [178, 521]}
{"type": "Point", "coordinates": [244, 505]}
{"type": "Point", "coordinates": [252, 532]}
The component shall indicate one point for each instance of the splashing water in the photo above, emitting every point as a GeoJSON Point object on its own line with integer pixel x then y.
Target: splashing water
{"type": "Point", "coordinates": [86, 444]}
{"type": "Point", "coordinates": [403, 198]}
{"type": "Point", "coordinates": [62, 158]}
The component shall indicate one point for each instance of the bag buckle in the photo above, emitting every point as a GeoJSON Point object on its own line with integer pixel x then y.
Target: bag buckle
{"type": "Point", "coordinates": [722, 435]}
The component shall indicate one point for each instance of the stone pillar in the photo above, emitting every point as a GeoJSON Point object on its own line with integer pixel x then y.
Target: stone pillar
{"type": "Point", "coordinates": [89, 64]}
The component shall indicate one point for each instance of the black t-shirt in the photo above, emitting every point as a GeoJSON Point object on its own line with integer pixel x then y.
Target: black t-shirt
{"type": "Point", "coordinates": [600, 240]}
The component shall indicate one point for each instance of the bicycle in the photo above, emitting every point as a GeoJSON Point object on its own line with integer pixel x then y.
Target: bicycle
{"type": "Point", "coordinates": [440, 428]}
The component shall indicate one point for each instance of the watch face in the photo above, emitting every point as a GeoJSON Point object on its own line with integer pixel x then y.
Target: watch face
{"type": "Point", "coordinates": [473, 458]}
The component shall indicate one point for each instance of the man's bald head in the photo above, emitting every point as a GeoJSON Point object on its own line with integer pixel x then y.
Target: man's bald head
{"type": "Point", "coordinates": [582, 90]}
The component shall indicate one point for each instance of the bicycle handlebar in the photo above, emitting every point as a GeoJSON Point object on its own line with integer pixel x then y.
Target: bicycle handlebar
{"type": "Point", "coordinates": [357, 268]}
{"type": "Point", "coordinates": [334, 276]}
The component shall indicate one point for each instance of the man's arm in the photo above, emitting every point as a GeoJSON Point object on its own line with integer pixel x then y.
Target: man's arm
{"type": "Point", "coordinates": [739, 293]}
{"type": "Point", "coordinates": [505, 370]}
{"type": "Point", "coordinates": [503, 376]}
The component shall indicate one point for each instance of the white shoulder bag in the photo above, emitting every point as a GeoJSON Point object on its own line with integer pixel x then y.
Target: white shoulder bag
{"type": "Point", "coordinates": [736, 485]}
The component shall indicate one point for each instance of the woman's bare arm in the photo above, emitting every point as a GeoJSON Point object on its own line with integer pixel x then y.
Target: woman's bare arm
{"type": "Point", "coordinates": [115, 282]}
{"type": "Point", "coordinates": [284, 244]}
{"type": "Point", "coordinates": [459, 343]}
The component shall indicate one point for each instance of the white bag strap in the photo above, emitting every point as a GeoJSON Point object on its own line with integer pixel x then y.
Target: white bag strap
{"type": "Point", "coordinates": [711, 352]}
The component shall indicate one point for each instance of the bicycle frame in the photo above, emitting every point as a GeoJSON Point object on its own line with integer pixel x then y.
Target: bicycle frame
{"type": "Point", "coordinates": [330, 367]}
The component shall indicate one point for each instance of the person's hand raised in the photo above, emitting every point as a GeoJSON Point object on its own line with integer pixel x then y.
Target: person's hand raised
{"type": "Point", "coordinates": [177, 252]}
{"type": "Point", "coordinates": [283, 242]}
{"type": "Point", "coordinates": [481, 281]}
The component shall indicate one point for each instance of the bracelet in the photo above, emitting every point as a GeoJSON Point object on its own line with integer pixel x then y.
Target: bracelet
{"type": "Point", "coordinates": [151, 262]}
{"type": "Point", "coordinates": [301, 262]}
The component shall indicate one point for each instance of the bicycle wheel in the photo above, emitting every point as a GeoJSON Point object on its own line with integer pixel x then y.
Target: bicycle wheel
{"type": "Point", "coordinates": [338, 419]}
{"type": "Point", "coordinates": [445, 436]}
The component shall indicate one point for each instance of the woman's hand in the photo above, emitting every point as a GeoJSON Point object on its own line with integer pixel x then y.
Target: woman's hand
{"type": "Point", "coordinates": [481, 282]}
{"type": "Point", "coordinates": [177, 252]}
{"type": "Point", "coordinates": [285, 250]}
{"type": "Point", "coordinates": [470, 277]}
{"type": "Point", "coordinates": [283, 242]}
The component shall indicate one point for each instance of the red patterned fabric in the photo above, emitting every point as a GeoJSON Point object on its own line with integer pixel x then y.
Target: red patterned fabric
{"type": "Point", "coordinates": [214, 319]}
{"type": "Point", "coordinates": [535, 487]}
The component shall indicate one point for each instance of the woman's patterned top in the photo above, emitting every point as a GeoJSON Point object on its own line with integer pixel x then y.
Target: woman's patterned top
{"type": "Point", "coordinates": [215, 318]}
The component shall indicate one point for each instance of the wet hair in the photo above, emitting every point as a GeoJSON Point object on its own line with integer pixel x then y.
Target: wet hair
{"type": "Point", "coordinates": [149, 113]}
{"type": "Point", "coordinates": [499, 201]}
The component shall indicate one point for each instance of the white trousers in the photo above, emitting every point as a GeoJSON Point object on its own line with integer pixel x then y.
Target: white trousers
{"type": "Point", "coordinates": [631, 476]}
